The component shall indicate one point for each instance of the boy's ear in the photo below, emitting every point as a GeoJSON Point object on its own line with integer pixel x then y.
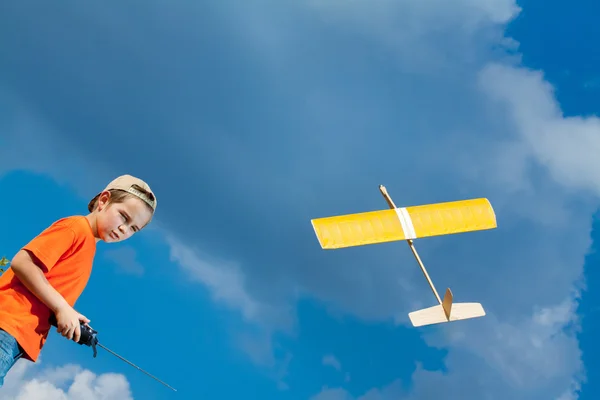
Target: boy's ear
{"type": "Point", "coordinates": [103, 200]}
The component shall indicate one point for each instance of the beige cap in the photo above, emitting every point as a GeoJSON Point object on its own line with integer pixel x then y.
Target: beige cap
{"type": "Point", "coordinates": [128, 183]}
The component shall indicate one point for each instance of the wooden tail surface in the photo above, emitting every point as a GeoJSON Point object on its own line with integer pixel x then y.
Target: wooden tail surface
{"type": "Point", "coordinates": [437, 315]}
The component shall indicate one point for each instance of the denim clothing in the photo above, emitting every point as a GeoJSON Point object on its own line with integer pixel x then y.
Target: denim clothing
{"type": "Point", "coordinates": [10, 352]}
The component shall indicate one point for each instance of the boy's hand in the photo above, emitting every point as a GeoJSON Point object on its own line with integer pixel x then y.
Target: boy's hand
{"type": "Point", "coordinates": [68, 322]}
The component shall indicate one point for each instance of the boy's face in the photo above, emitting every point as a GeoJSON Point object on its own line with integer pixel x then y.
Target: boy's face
{"type": "Point", "coordinates": [116, 222]}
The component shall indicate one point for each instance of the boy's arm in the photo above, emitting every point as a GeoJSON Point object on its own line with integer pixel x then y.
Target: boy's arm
{"type": "Point", "coordinates": [27, 268]}
{"type": "Point", "coordinates": [31, 275]}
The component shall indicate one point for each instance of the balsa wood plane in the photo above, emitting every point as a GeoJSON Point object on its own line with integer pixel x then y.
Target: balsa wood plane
{"type": "Point", "coordinates": [409, 223]}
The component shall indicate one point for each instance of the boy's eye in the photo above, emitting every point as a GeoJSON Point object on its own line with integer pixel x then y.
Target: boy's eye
{"type": "Point", "coordinates": [125, 219]}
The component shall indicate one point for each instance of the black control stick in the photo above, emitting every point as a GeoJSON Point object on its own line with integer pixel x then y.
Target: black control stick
{"type": "Point", "coordinates": [88, 335]}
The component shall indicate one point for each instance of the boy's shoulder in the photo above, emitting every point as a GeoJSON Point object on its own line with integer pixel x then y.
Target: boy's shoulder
{"type": "Point", "coordinates": [63, 238]}
{"type": "Point", "coordinates": [76, 226]}
{"type": "Point", "coordinates": [77, 222]}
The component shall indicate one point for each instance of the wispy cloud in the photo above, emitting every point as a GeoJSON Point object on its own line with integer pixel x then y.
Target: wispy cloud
{"type": "Point", "coordinates": [125, 259]}
{"type": "Point", "coordinates": [332, 361]}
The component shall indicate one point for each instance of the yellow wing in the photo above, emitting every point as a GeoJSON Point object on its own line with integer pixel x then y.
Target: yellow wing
{"type": "Point", "coordinates": [404, 223]}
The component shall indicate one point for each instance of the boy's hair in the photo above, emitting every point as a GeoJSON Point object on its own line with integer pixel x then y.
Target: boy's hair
{"type": "Point", "coordinates": [124, 187]}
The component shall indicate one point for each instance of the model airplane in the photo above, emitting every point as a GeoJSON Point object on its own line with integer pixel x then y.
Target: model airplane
{"type": "Point", "coordinates": [409, 223]}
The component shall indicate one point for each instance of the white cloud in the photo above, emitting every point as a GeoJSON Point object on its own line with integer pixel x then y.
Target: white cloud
{"type": "Point", "coordinates": [392, 391]}
{"type": "Point", "coordinates": [226, 282]}
{"type": "Point", "coordinates": [69, 382]}
{"type": "Point", "coordinates": [565, 146]}
{"type": "Point", "coordinates": [332, 361]}
{"type": "Point", "coordinates": [462, 14]}
{"type": "Point", "coordinates": [332, 394]}
{"type": "Point", "coordinates": [418, 33]}
{"type": "Point", "coordinates": [125, 259]}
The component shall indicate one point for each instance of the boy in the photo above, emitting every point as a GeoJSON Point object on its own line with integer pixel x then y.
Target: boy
{"type": "Point", "coordinates": [48, 275]}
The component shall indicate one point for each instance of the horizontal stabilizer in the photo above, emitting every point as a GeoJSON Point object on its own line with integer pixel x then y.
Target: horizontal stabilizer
{"type": "Point", "coordinates": [436, 314]}
{"type": "Point", "coordinates": [404, 223]}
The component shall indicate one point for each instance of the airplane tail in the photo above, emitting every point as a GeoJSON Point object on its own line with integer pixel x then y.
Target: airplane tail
{"type": "Point", "coordinates": [446, 312]}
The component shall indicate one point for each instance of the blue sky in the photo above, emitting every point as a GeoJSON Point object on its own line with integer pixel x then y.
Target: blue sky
{"type": "Point", "coordinates": [250, 119]}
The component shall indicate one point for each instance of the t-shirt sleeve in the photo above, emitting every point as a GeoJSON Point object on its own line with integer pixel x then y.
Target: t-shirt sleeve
{"type": "Point", "coordinates": [52, 244]}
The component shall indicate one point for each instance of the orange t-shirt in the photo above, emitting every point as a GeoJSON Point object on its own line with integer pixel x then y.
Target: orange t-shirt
{"type": "Point", "coordinates": [67, 249]}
